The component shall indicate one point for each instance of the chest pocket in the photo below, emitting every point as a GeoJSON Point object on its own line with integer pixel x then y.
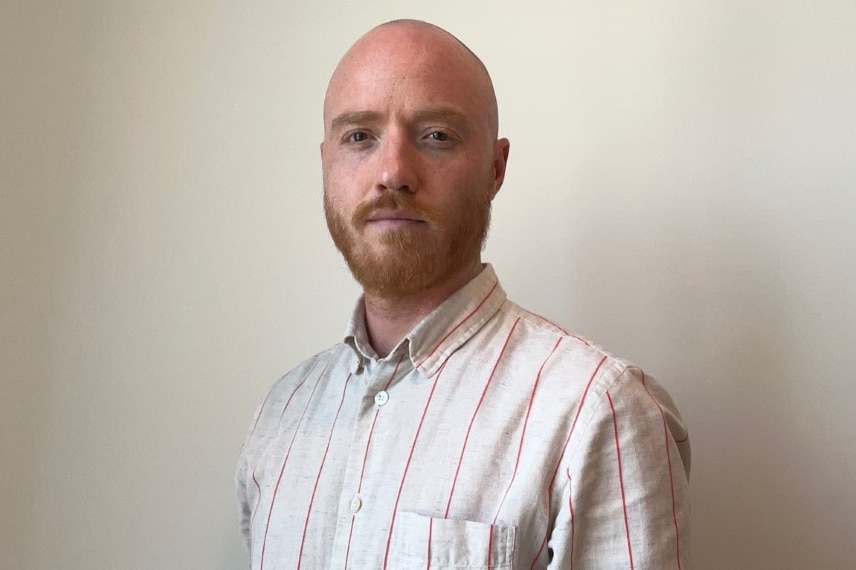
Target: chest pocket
{"type": "Point", "coordinates": [433, 543]}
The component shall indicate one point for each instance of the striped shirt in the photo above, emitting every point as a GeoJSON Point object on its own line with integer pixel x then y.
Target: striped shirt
{"type": "Point", "coordinates": [488, 438]}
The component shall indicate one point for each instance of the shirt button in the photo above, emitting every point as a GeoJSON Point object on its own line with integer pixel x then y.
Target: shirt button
{"type": "Point", "coordinates": [381, 398]}
{"type": "Point", "coordinates": [356, 505]}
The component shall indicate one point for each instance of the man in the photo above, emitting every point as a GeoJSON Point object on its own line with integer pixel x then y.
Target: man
{"type": "Point", "coordinates": [450, 428]}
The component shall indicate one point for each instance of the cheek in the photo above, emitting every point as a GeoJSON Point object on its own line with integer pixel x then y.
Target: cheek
{"type": "Point", "coordinates": [338, 187]}
{"type": "Point", "coordinates": [342, 202]}
{"type": "Point", "coordinates": [470, 178]}
{"type": "Point", "coordinates": [334, 203]}
{"type": "Point", "coordinates": [471, 168]}
{"type": "Point", "coordinates": [345, 176]}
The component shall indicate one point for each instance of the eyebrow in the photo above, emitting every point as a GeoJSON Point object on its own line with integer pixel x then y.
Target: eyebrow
{"type": "Point", "coordinates": [445, 114]}
{"type": "Point", "coordinates": [352, 118]}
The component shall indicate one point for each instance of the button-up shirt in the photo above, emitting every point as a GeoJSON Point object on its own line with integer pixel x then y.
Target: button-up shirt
{"type": "Point", "coordinates": [488, 438]}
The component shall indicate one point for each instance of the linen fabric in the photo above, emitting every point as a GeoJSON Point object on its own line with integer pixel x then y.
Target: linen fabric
{"type": "Point", "coordinates": [488, 438]}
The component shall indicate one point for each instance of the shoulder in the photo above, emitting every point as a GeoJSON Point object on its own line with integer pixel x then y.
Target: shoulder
{"type": "Point", "coordinates": [589, 379]}
{"type": "Point", "coordinates": [305, 375]}
{"type": "Point", "coordinates": [623, 402]}
{"type": "Point", "coordinates": [571, 356]}
{"type": "Point", "coordinates": [337, 355]}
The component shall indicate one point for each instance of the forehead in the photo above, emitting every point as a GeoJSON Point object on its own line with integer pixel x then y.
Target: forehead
{"type": "Point", "coordinates": [401, 71]}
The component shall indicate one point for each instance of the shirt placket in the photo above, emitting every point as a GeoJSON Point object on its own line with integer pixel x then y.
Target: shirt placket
{"type": "Point", "coordinates": [373, 378]}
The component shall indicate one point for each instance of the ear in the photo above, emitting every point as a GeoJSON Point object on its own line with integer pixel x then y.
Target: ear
{"type": "Point", "coordinates": [500, 162]}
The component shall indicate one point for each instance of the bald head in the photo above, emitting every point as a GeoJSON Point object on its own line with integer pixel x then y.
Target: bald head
{"type": "Point", "coordinates": [398, 50]}
{"type": "Point", "coordinates": [410, 160]}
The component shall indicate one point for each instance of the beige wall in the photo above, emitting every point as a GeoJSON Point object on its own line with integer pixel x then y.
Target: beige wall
{"type": "Point", "coordinates": [681, 190]}
{"type": "Point", "coordinates": [40, 108]}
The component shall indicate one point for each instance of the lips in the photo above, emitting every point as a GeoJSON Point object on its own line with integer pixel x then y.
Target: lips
{"type": "Point", "coordinates": [394, 216]}
{"type": "Point", "coordinates": [392, 211]}
{"type": "Point", "coordinates": [384, 221]}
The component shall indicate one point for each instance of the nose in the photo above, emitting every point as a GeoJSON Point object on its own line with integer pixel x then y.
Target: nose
{"type": "Point", "coordinates": [398, 164]}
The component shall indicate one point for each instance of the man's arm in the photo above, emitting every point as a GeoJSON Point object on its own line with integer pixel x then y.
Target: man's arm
{"type": "Point", "coordinates": [625, 482]}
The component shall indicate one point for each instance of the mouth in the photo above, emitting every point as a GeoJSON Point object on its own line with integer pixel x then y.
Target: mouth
{"type": "Point", "coordinates": [394, 219]}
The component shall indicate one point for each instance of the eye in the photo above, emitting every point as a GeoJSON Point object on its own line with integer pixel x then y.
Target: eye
{"type": "Point", "coordinates": [438, 136]}
{"type": "Point", "coordinates": [357, 137]}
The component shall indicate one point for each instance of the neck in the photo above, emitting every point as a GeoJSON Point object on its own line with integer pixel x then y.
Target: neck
{"type": "Point", "coordinates": [390, 318]}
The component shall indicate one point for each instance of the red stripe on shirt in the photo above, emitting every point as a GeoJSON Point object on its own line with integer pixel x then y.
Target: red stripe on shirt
{"type": "Point", "coordinates": [366, 457]}
{"type": "Point", "coordinates": [285, 461]}
{"type": "Point", "coordinates": [621, 480]}
{"type": "Point", "coordinates": [359, 488]}
{"type": "Point", "coordinates": [258, 498]}
{"type": "Point", "coordinates": [567, 440]}
{"type": "Point", "coordinates": [318, 476]}
{"type": "Point", "coordinates": [460, 323]}
{"type": "Point", "coordinates": [430, 533]}
{"type": "Point", "coordinates": [407, 464]}
{"type": "Point", "coordinates": [523, 430]}
{"type": "Point", "coordinates": [475, 413]}
{"type": "Point", "coordinates": [545, 319]}
{"type": "Point", "coordinates": [308, 374]}
{"type": "Point", "coordinates": [261, 409]}
{"type": "Point", "coordinates": [489, 544]}
{"type": "Point", "coordinates": [573, 526]}
{"type": "Point", "coordinates": [671, 475]}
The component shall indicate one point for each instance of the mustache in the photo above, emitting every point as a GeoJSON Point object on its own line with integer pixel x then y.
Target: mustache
{"type": "Point", "coordinates": [391, 201]}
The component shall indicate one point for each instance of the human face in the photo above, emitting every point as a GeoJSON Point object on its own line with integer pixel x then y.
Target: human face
{"type": "Point", "coordinates": [410, 164]}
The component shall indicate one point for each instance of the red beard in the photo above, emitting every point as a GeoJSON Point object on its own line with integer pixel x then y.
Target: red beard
{"type": "Point", "coordinates": [412, 259]}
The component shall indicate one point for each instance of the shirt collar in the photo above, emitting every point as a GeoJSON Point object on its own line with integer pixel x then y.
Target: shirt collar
{"type": "Point", "coordinates": [443, 330]}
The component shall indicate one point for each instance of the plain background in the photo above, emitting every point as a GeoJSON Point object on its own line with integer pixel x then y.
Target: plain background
{"type": "Point", "coordinates": [681, 190]}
